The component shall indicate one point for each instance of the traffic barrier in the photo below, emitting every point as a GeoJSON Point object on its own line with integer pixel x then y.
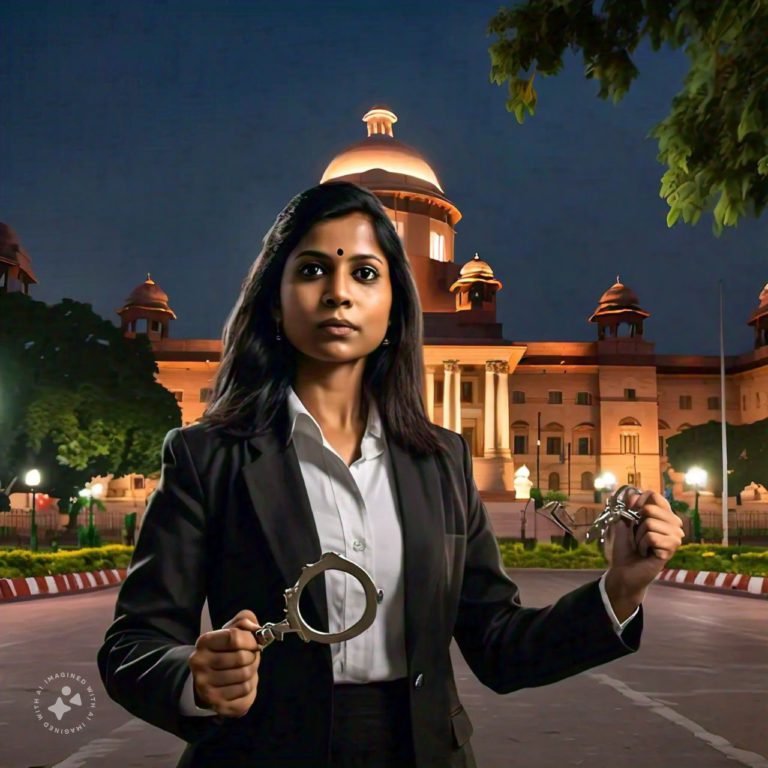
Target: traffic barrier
{"type": "Point", "coordinates": [60, 583]}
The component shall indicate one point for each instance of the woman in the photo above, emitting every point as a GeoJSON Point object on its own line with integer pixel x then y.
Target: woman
{"type": "Point", "coordinates": [317, 440]}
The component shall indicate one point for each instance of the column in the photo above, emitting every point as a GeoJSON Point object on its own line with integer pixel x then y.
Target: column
{"type": "Point", "coordinates": [457, 398]}
{"type": "Point", "coordinates": [430, 375]}
{"type": "Point", "coordinates": [448, 393]}
{"type": "Point", "coordinates": [502, 408]}
{"type": "Point", "coordinates": [489, 438]}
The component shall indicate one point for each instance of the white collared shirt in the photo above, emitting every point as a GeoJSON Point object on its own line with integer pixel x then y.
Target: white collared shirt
{"type": "Point", "coordinates": [356, 514]}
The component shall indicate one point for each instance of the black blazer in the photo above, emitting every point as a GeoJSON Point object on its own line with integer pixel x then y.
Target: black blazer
{"type": "Point", "coordinates": [230, 520]}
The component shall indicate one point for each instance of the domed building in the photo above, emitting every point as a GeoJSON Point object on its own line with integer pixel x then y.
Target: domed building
{"type": "Point", "coordinates": [567, 411]}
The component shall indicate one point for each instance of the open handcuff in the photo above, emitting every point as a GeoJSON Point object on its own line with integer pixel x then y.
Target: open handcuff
{"type": "Point", "coordinates": [616, 508]}
{"type": "Point", "coordinates": [294, 621]}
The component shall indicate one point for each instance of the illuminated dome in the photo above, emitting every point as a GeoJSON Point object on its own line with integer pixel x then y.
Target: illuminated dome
{"type": "Point", "coordinates": [618, 299]}
{"type": "Point", "coordinates": [148, 295]}
{"type": "Point", "coordinates": [12, 254]}
{"type": "Point", "coordinates": [381, 151]}
{"type": "Point", "coordinates": [476, 271]}
{"type": "Point", "coordinates": [762, 308]}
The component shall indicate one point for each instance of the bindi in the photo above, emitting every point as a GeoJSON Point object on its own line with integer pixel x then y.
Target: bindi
{"type": "Point", "coordinates": [340, 251]}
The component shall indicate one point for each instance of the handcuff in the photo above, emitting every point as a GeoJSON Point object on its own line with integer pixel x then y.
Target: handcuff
{"type": "Point", "coordinates": [294, 621]}
{"type": "Point", "coordinates": [616, 508]}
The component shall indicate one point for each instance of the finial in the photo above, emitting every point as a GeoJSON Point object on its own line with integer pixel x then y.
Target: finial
{"type": "Point", "coordinates": [617, 279]}
{"type": "Point", "coordinates": [476, 256]}
{"type": "Point", "coordinates": [148, 277]}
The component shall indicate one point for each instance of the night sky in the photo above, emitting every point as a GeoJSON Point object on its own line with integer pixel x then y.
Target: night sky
{"type": "Point", "coordinates": [165, 137]}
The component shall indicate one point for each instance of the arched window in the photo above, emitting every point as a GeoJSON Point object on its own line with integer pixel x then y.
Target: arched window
{"type": "Point", "coordinates": [587, 481]}
{"type": "Point", "coordinates": [663, 424]}
{"type": "Point", "coordinates": [629, 421]}
{"type": "Point", "coordinates": [554, 481]}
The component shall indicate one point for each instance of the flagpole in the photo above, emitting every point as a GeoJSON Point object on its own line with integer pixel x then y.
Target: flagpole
{"type": "Point", "coordinates": [723, 424]}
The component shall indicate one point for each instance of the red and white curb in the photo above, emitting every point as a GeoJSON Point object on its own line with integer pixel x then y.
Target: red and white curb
{"type": "Point", "coordinates": [59, 583]}
{"type": "Point", "coordinates": [756, 585]}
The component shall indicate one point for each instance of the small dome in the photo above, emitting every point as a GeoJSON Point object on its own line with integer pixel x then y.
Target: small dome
{"type": "Point", "coordinates": [618, 299]}
{"type": "Point", "coordinates": [476, 267]}
{"type": "Point", "coordinates": [12, 252]}
{"type": "Point", "coordinates": [762, 308]}
{"type": "Point", "coordinates": [476, 271]}
{"type": "Point", "coordinates": [382, 151]}
{"type": "Point", "coordinates": [148, 295]}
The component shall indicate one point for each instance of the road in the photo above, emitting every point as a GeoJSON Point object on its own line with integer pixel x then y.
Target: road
{"type": "Point", "coordinates": [694, 695]}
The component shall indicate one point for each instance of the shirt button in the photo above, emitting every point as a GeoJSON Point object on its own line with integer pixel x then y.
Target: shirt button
{"type": "Point", "coordinates": [419, 681]}
{"type": "Point", "coordinates": [358, 545]}
{"type": "Point", "coordinates": [379, 595]}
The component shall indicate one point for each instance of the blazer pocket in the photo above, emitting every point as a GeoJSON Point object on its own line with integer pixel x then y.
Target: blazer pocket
{"type": "Point", "coordinates": [462, 727]}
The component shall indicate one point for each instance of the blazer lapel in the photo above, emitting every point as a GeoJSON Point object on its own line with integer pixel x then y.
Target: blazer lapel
{"type": "Point", "coordinates": [420, 498]}
{"type": "Point", "coordinates": [279, 497]}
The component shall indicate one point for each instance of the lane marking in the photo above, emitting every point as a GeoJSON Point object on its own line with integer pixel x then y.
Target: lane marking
{"type": "Point", "coordinates": [743, 756]}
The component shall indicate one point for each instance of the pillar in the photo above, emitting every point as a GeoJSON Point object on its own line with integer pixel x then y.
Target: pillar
{"type": "Point", "coordinates": [489, 438]}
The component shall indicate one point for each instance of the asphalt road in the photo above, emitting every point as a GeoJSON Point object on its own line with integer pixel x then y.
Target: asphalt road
{"type": "Point", "coordinates": [694, 695]}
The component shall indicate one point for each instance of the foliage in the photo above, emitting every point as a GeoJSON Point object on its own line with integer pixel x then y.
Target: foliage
{"type": "Point", "coordinates": [714, 141]}
{"type": "Point", "coordinates": [16, 563]}
{"type": "Point", "coordinates": [556, 496]}
{"type": "Point", "coordinates": [702, 446]}
{"type": "Point", "coordinates": [79, 399]}
{"type": "Point", "coordinates": [538, 498]}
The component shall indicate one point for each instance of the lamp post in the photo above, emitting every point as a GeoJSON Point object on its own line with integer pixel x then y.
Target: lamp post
{"type": "Point", "coordinates": [32, 479]}
{"type": "Point", "coordinates": [696, 477]}
{"type": "Point", "coordinates": [91, 494]}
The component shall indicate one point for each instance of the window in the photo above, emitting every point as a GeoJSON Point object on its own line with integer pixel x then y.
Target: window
{"type": "Point", "coordinates": [587, 481]}
{"type": "Point", "coordinates": [630, 394]}
{"type": "Point", "coordinates": [554, 481]}
{"type": "Point", "coordinates": [436, 246]}
{"type": "Point", "coordinates": [629, 443]}
{"type": "Point", "coordinates": [633, 478]}
{"type": "Point", "coordinates": [662, 445]}
{"type": "Point", "coordinates": [439, 391]}
{"type": "Point", "coordinates": [466, 392]}
{"type": "Point", "coordinates": [518, 397]}
{"type": "Point", "coordinates": [584, 446]}
{"type": "Point", "coordinates": [555, 398]}
{"type": "Point", "coordinates": [713, 403]}
{"type": "Point", "coordinates": [685, 402]}
{"type": "Point", "coordinates": [554, 446]}
{"type": "Point", "coordinates": [178, 394]}
{"type": "Point", "coordinates": [205, 394]}
{"type": "Point", "coordinates": [520, 444]}
{"type": "Point", "coordinates": [583, 398]}
{"type": "Point", "coordinates": [138, 483]}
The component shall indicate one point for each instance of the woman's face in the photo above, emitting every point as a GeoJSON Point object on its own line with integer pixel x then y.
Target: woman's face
{"type": "Point", "coordinates": [336, 270]}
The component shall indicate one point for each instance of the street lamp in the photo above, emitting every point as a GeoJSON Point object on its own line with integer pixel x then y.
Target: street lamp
{"type": "Point", "coordinates": [32, 479]}
{"type": "Point", "coordinates": [696, 477]}
{"type": "Point", "coordinates": [604, 482]}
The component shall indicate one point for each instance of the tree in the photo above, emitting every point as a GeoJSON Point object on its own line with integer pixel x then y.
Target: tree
{"type": "Point", "coordinates": [714, 141]}
{"type": "Point", "coordinates": [702, 446]}
{"type": "Point", "coordinates": [77, 398]}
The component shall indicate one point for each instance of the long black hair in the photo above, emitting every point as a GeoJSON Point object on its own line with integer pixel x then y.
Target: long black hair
{"type": "Point", "coordinates": [250, 387]}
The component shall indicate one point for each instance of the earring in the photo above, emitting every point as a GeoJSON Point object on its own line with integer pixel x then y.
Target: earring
{"type": "Point", "coordinates": [385, 342]}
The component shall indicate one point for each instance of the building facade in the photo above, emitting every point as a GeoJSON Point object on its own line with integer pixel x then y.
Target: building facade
{"type": "Point", "coordinates": [567, 410]}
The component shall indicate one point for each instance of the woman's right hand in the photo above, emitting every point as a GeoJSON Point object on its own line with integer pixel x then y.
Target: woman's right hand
{"type": "Point", "coordinates": [225, 666]}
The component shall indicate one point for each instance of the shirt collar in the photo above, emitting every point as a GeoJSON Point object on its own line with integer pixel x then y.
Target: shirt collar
{"type": "Point", "coordinates": [302, 421]}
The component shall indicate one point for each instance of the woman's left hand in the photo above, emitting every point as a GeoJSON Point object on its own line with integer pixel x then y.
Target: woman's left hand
{"type": "Point", "coordinates": [637, 559]}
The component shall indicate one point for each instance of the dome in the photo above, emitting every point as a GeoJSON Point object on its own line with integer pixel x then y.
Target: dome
{"type": "Point", "coordinates": [381, 150]}
{"type": "Point", "coordinates": [148, 295]}
{"type": "Point", "coordinates": [12, 252]}
{"type": "Point", "coordinates": [762, 308]}
{"type": "Point", "coordinates": [476, 267]}
{"type": "Point", "coordinates": [618, 299]}
{"type": "Point", "coordinates": [476, 271]}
